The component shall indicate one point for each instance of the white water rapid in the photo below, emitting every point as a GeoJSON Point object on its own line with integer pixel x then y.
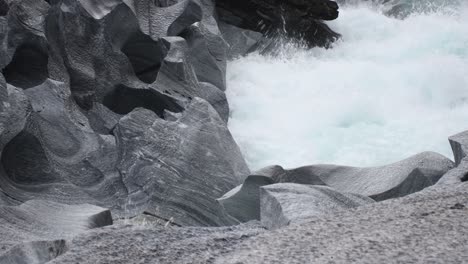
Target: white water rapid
{"type": "Point", "coordinates": [390, 88]}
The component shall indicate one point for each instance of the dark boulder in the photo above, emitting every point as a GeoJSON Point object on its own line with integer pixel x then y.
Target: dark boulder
{"type": "Point", "coordinates": [294, 18]}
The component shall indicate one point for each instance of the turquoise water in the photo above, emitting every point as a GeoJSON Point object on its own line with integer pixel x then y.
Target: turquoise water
{"type": "Point", "coordinates": [389, 89]}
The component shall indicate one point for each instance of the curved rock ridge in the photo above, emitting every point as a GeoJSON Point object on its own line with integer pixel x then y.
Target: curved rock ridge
{"type": "Point", "coordinates": [34, 231]}
{"type": "Point", "coordinates": [394, 180]}
{"type": "Point", "coordinates": [285, 203]}
{"type": "Point", "coordinates": [379, 183]}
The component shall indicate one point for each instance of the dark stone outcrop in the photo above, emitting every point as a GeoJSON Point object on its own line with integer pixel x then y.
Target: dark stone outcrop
{"type": "Point", "coordinates": [297, 19]}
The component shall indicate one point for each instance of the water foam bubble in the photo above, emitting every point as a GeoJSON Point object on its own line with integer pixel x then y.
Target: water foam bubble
{"type": "Point", "coordinates": [389, 89]}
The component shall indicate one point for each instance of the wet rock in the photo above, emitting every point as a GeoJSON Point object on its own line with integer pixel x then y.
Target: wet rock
{"type": "Point", "coordinates": [283, 203]}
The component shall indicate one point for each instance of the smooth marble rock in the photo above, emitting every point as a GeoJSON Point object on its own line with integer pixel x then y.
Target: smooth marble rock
{"type": "Point", "coordinates": [243, 202]}
{"type": "Point", "coordinates": [459, 144]}
{"type": "Point", "coordinates": [285, 203]}
{"type": "Point", "coordinates": [176, 168]}
{"type": "Point", "coordinates": [380, 183]}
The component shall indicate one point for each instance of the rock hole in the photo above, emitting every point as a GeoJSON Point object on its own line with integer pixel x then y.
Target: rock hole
{"type": "Point", "coordinates": [145, 55]}
{"type": "Point", "coordinates": [28, 68]}
{"type": "Point", "coordinates": [25, 162]}
{"type": "Point", "coordinates": [122, 100]}
{"type": "Point", "coordinates": [3, 8]}
{"type": "Point", "coordinates": [465, 177]}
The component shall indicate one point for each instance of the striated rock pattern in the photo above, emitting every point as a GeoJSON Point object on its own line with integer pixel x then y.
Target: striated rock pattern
{"type": "Point", "coordinates": [285, 203]}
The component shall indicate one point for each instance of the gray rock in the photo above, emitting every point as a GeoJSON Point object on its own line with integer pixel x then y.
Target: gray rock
{"type": "Point", "coordinates": [456, 175]}
{"type": "Point", "coordinates": [82, 68]}
{"type": "Point", "coordinates": [176, 168]}
{"type": "Point", "coordinates": [379, 183]}
{"type": "Point", "coordinates": [285, 203]}
{"type": "Point", "coordinates": [423, 227]}
{"type": "Point", "coordinates": [38, 222]}
{"type": "Point", "coordinates": [124, 244]}
{"type": "Point", "coordinates": [395, 180]}
{"type": "Point", "coordinates": [459, 144]}
{"type": "Point", "coordinates": [241, 41]}
{"type": "Point", "coordinates": [34, 252]}
{"type": "Point", "coordinates": [243, 202]}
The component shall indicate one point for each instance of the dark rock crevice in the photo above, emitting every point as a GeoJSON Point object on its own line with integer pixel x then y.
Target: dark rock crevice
{"type": "Point", "coordinates": [4, 8]}
{"type": "Point", "coordinates": [123, 100]}
{"type": "Point", "coordinates": [28, 68]}
{"type": "Point", "coordinates": [25, 162]}
{"type": "Point", "coordinates": [145, 55]}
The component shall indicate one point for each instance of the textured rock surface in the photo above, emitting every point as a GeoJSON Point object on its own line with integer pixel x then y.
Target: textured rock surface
{"type": "Point", "coordinates": [33, 232]}
{"type": "Point", "coordinates": [285, 203]}
{"type": "Point", "coordinates": [428, 227]}
{"type": "Point", "coordinates": [176, 168]}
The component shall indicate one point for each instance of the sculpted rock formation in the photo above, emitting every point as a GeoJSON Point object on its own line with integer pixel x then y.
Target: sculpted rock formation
{"type": "Point", "coordinates": [84, 82]}
{"type": "Point", "coordinates": [115, 110]}
{"type": "Point", "coordinates": [283, 203]}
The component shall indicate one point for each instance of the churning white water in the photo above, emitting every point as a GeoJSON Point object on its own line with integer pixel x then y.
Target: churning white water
{"type": "Point", "coordinates": [389, 89]}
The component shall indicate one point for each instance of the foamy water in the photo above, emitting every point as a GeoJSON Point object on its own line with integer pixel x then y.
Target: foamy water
{"type": "Point", "coordinates": [389, 89]}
